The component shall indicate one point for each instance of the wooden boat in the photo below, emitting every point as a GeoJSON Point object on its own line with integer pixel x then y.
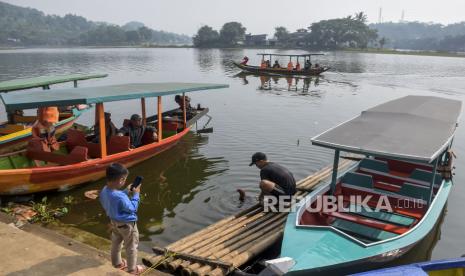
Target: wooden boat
{"type": "Point", "coordinates": [79, 161]}
{"type": "Point", "coordinates": [312, 71]}
{"type": "Point", "coordinates": [15, 133]}
{"type": "Point", "coordinates": [445, 267]}
{"type": "Point", "coordinates": [385, 203]}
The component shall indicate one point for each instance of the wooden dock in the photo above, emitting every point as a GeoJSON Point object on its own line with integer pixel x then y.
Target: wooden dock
{"type": "Point", "coordinates": [231, 242]}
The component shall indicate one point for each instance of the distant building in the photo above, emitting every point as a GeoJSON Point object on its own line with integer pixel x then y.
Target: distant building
{"type": "Point", "coordinates": [255, 40]}
{"type": "Point", "coordinates": [298, 38]}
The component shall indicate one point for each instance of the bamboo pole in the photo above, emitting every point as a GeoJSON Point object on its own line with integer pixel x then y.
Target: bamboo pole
{"type": "Point", "coordinates": [102, 135]}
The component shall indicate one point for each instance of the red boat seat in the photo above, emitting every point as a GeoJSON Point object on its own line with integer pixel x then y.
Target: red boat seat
{"type": "Point", "coordinates": [35, 151]}
{"type": "Point", "coordinates": [118, 144]}
{"type": "Point", "coordinates": [369, 222]}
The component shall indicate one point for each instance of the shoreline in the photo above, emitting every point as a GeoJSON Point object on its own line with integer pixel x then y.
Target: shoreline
{"type": "Point", "coordinates": [347, 50]}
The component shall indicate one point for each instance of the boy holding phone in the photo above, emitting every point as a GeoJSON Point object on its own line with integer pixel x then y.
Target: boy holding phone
{"type": "Point", "coordinates": [121, 207]}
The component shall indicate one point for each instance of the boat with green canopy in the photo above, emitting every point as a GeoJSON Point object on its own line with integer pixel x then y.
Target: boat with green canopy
{"type": "Point", "coordinates": [306, 68]}
{"type": "Point", "coordinates": [16, 131]}
{"type": "Point", "coordinates": [80, 159]}
{"type": "Point", "coordinates": [386, 202]}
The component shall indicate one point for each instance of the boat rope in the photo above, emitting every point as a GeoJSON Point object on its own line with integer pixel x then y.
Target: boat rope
{"type": "Point", "coordinates": [167, 256]}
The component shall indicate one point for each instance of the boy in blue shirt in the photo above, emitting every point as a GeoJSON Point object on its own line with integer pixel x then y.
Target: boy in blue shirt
{"type": "Point", "coordinates": [121, 207]}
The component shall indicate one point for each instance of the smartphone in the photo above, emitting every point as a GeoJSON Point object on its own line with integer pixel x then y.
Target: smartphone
{"type": "Point", "coordinates": [137, 181]}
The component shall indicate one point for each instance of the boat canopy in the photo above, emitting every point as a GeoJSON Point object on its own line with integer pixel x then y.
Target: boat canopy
{"type": "Point", "coordinates": [284, 55]}
{"type": "Point", "coordinates": [91, 95]}
{"type": "Point", "coordinates": [44, 81]}
{"type": "Point", "coordinates": [415, 128]}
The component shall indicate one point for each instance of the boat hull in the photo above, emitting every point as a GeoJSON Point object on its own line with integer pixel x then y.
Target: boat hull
{"type": "Point", "coordinates": [282, 71]}
{"type": "Point", "coordinates": [33, 180]}
{"type": "Point", "coordinates": [19, 140]}
{"type": "Point", "coordinates": [319, 249]}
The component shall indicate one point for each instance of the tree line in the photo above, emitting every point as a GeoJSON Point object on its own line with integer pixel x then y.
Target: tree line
{"type": "Point", "coordinates": [30, 27]}
{"type": "Point", "coordinates": [351, 31]}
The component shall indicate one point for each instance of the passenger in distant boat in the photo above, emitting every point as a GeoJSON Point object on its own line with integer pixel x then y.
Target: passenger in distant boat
{"type": "Point", "coordinates": [276, 64]}
{"type": "Point", "coordinates": [44, 130]}
{"type": "Point", "coordinates": [245, 60]}
{"type": "Point", "coordinates": [263, 64]}
{"type": "Point", "coordinates": [110, 129]}
{"type": "Point", "coordinates": [317, 65]}
{"type": "Point", "coordinates": [290, 66]}
{"type": "Point", "coordinates": [178, 99]}
{"type": "Point", "coordinates": [136, 130]}
{"type": "Point", "coordinates": [268, 63]}
{"type": "Point", "coordinates": [308, 65]}
{"type": "Point", "coordinates": [275, 179]}
{"type": "Point", "coordinates": [297, 66]}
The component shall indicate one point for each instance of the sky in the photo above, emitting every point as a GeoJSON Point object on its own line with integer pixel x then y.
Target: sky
{"type": "Point", "coordinates": [258, 16]}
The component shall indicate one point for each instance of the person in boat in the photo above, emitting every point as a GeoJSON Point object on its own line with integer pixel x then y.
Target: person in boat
{"type": "Point", "coordinates": [276, 64]}
{"type": "Point", "coordinates": [308, 65]}
{"type": "Point", "coordinates": [268, 63]}
{"type": "Point", "coordinates": [44, 129]}
{"type": "Point", "coordinates": [136, 131]}
{"type": "Point", "coordinates": [297, 66]}
{"type": "Point", "coordinates": [276, 180]}
{"type": "Point", "coordinates": [263, 64]}
{"type": "Point", "coordinates": [290, 66]}
{"type": "Point", "coordinates": [121, 207]}
{"type": "Point", "coordinates": [179, 100]}
{"type": "Point", "coordinates": [110, 129]}
{"type": "Point", "coordinates": [245, 60]}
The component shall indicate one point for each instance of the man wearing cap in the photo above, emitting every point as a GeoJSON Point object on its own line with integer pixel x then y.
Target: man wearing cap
{"type": "Point", "coordinates": [275, 179]}
{"type": "Point", "coordinates": [135, 130]}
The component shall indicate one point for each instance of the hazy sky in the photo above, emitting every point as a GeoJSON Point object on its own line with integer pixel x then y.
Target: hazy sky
{"type": "Point", "coordinates": [258, 16]}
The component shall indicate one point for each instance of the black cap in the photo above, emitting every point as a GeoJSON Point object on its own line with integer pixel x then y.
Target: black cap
{"type": "Point", "coordinates": [258, 156]}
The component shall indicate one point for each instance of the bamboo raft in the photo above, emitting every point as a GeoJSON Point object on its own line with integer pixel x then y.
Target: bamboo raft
{"type": "Point", "coordinates": [224, 246]}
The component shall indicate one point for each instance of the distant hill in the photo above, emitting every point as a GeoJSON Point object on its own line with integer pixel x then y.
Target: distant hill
{"type": "Point", "coordinates": [29, 27]}
{"type": "Point", "coordinates": [422, 36]}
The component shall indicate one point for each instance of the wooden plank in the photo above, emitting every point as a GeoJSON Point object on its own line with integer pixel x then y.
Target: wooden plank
{"type": "Point", "coordinates": [101, 123]}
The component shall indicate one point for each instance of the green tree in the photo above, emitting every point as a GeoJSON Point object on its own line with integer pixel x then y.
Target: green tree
{"type": "Point", "coordinates": [382, 42]}
{"type": "Point", "coordinates": [206, 37]}
{"type": "Point", "coordinates": [231, 33]}
{"type": "Point", "coordinates": [145, 33]}
{"type": "Point", "coordinates": [281, 34]}
{"type": "Point", "coordinates": [133, 37]}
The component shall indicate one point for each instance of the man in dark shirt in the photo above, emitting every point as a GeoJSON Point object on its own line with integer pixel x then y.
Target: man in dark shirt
{"type": "Point", "coordinates": [275, 179]}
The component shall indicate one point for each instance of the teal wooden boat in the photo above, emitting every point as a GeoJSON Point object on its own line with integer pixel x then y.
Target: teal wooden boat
{"type": "Point", "coordinates": [406, 166]}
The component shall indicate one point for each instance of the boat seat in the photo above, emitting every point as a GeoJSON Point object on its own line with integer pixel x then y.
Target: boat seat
{"type": "Point", "coordinates": [24, 119]}
{"type": "Point", "coordinates": [426, 176]}
{"type": "Point", "coordinates": [374, 164]}
{"type": "Point", "coordinates": [11, 128]}
{"type": "Point", "coordinates": [393, 179]}
{"type": "Point", "coordinates": [358, 179]}
{"type": "Point", "coordinates": [381, 215]}
{"type": "Point", "coordinates": [76, 138]}
{"type": "Point", "coordinates": [388, 227]}
{"type": "Point", "coordinates": [35, 151]}
{"type": "Point", "coordinates": [118, 144]}
{"type": "Point", "coordinates": [371, 234]}
{"type": "Point", "coordinates": [415, 191]}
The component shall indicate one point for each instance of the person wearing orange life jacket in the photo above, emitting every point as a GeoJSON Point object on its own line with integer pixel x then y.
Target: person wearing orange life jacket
{"type": "Point", "coordinates": [297, 66]}
{"type": "Point", "coordinates": [44, 129]}
{"type": "Point", "coordinates": [290, 66]}
{"type": "Point", "coordinates": [263, 64]}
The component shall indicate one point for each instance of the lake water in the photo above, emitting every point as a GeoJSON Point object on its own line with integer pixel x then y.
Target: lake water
{"type": "Point", "coordinates": [194, 184]}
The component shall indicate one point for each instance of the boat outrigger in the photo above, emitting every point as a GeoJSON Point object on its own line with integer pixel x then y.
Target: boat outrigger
{"type": "Point", "coordinates": [16, 132]}
{"type": "Point", "coordinates": [385, 203]}
{"type": "Point", "coordinates": [304, 69]}
{"type": "Point", "coordinates": [79, 160]}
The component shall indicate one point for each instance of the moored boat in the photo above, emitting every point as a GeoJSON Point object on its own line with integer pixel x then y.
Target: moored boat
{"type": "Point", "coordinates": [16, 132]}
{"type": "Point", "coordinates": [385, 203]}
{"type": "Point", "coordinates": [311, 70]}
{"type": "Point", "coordinates": [445, 267]}
{"type": "Point", "coordinates": [79, 160]}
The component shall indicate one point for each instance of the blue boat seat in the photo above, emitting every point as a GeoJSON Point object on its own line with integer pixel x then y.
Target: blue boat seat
{"type": "Point", "coordinates": [374, 164]}
{"type": "Point", "coordinates": [426, 176]}
{"type": "Point", "coordinates": [368, 234]}
{"type": "Point", "coordinates": [358, 179]}
{"type": "Point", "coordinates": [381, 215]}
{"type": "Point", "coordinates": [415, 191]}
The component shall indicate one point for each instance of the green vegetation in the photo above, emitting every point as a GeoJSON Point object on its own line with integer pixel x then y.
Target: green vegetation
{"type": "Point", "coordinates": [423, 36]}
{"type": "Point", "coordinates": [21, 27]}
{"type": "Point", "coordinates": [230, 35]}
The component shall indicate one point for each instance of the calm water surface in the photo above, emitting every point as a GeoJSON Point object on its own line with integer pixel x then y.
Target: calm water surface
{"type": "Point", "coordinates": [194, 184]}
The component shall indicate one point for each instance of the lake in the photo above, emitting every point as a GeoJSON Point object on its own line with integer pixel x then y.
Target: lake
{"type": "Point", "coordinates": [194, 184]}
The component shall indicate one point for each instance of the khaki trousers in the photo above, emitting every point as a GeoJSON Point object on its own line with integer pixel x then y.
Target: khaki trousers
{"type": "Point", "coordinates": [124, 233]}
